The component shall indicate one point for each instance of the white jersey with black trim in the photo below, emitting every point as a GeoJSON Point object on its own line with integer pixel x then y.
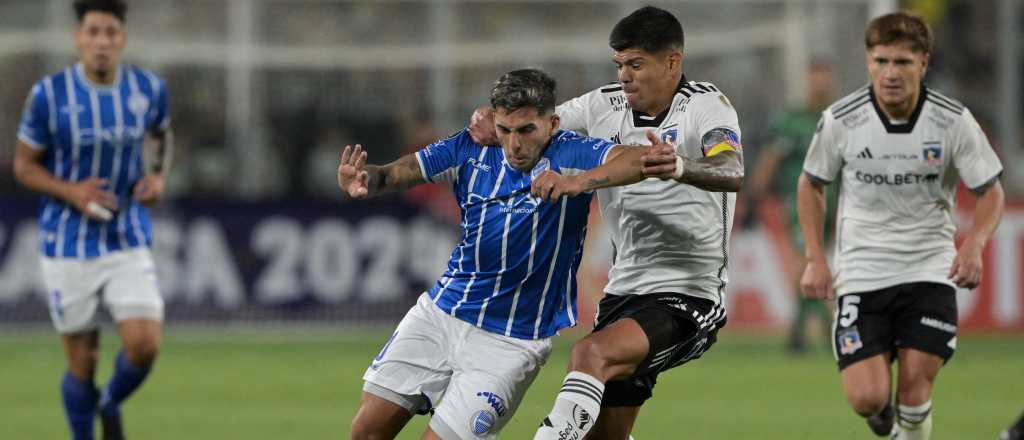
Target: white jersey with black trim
{"type": "Point", "coordinates": [895, 220]}
{"type": "Point", "coordinates": [668, 237]}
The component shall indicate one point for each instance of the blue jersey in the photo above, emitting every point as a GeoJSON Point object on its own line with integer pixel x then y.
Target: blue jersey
{"type": "Point", "coordinates": [88, 130]}
{"type": "Point", "coordinates": [514, 271]}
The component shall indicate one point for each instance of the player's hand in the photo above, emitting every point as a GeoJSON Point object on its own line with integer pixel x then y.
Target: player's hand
{"type": "Point", "coordinates": [149, 189]}
{"type": "Point", "coordinates": [91, 198]}
{"type": "Point", "coordinates": [966, 269]}
{"type": "Point", "coordinates": [352, 178]}
{"type": "Point", "coordinates": [481, 126]}
{"type": "Point", "coordinates": [660, 159]}
{"type": "Point", "coordinates": [817, 281]}
{"type": "Point", "coordinates": [551, 186]}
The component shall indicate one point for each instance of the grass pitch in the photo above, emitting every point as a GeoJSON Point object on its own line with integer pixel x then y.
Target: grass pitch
{"type": "Point", "coordinates": [304, 384]}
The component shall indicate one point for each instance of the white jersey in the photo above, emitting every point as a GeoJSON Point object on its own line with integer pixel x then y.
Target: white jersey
{"type": "Point", "coordinates": [895, 220]}
{"type": "Point", "coordinates": [668, 237]}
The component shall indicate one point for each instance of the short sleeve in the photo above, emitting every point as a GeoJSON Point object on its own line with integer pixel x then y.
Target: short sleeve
{"type": "Point", "coordinates": [574, 114]}
{"type": "Point", "coordinates": [161, 117]}
{"type": "Point", "coordinates": [34, 128]}
{"type": "Point", "coordinates": [824, 158]}
{"type": "Point", "coordinates": [973, 156]}
{"type": "Point", "coordinates": [440, 161]}
{"type": "Point", "coordinates": [585, 153]}
{"type": "Point", "coordinates": [717, 123]}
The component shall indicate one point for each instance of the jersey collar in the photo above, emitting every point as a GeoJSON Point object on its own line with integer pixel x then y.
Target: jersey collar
{"type": "Point", "coordinates": [899, 128]}
{"type": "Point", "coordinates": [641, 120]}
{"type": "Point", "coordinates": [83, 79]}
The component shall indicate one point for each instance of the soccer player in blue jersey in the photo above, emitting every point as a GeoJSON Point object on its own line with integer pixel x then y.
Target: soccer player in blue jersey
{"type": "Point", "coordinates": [80, 144]}
{"type": "Point", "coordinates": [473, 343]}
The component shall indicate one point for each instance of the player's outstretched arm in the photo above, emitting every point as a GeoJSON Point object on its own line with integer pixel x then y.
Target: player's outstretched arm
{"type": "Point", "coordinates": [88, 196]}
{"type": "Point", "coordinates": [967, 266]}
{"type": "Point", "coordinates": [622, 167]}
{"type": "Point", "coordinates": [360, 180]}
{"type": "Point", "coordinates": [817, 278]}
{"type": "Point", "coordinates": [720, 171]}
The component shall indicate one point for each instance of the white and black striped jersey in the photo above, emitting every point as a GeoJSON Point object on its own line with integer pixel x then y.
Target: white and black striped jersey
{"type": "Point", "coordinates": [895, 220]}
{"type": "Point", "coordinates": [668, 237]}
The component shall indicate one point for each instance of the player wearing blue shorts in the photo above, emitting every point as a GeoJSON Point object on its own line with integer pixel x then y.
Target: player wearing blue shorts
{"type": "Point", "coordinates": [473, 343]}
{"type": "Point", "coordinates": [80, 145]}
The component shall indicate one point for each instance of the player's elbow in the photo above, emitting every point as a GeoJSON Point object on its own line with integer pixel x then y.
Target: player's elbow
{"type": "Point", "coordinates": [22, 168]}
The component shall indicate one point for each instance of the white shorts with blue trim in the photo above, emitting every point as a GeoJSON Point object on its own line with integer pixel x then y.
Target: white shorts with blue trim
{"type": "Point", "coordinates": [125, 280]}
{"type": "Point", "coordinates": [472, 379]}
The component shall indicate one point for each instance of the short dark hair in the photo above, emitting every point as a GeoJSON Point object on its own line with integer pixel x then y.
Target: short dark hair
{"type": "Point", "coordinates": [899, 27]}
{"type": "Point", "coordinates": [116, 8]}
{"type": "Point", "coordinates": [524, 88]}
{"type": "Point", "coordinates": [648, 28]}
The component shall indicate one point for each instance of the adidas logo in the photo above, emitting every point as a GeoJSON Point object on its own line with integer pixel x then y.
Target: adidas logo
{"type": "Point", "coordinates": [866, 154]}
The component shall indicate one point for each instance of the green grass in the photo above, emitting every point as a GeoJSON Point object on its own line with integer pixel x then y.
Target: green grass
{"type": "Point", "coordinates": [305, 384]}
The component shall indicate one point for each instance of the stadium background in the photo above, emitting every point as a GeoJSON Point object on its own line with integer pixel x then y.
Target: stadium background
{"type": "Point", "coordinates": [279, 291]}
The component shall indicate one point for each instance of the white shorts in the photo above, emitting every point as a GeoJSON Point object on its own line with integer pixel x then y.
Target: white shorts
{"type": "Point", "coordinates": [472, 379]}
{"type": "Point", "coordinates": [126, 280]}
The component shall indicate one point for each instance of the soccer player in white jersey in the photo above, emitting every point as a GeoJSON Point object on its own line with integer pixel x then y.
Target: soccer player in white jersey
{"type": "Point", "coordinates": [473, 343]}
{"type": "Point", "coordinates": [80, 144]}
{"type": "Point", "coordinates": [900, 149]}
{"type": "Point", "coordinates": [663, 304]}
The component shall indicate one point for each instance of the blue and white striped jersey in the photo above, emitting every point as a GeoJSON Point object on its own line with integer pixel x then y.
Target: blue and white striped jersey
{"type": "Point", "coordinates": [514, 271]}
{"type": "Point", "coordinates": [88, 130]}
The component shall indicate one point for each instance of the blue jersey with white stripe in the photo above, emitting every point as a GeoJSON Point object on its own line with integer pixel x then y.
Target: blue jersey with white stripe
{"type": "Point", "coordinates": [89, 130]}
{"type": "Point", "coordinates": [514, 271]}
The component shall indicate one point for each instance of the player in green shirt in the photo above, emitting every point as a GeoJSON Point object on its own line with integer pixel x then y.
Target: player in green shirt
{"type": "Point", "coordinates": [778, 167]}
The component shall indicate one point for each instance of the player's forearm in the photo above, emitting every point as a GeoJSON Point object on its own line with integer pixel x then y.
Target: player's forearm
{"type": "Point", "coordinates": [624, 168]}
{"type": "Point", "coordinates": [37, 178]}
{"type": "Point", "coordinates": [810, 202]}
{"type": "Point", "coordinates": [722, 172]}
{"type": "Point", "coordinates": [987, 213]}
{"type": "Point", "coordinates": [160, 147]}
{"type": "Point", "coordinates": [399, 175]}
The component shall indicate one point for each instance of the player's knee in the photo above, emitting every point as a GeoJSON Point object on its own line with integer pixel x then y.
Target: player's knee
{"type": "Point", "coordinates": [361, 429]}
{"type": "Point", "coordinates": [142, 352]}
{"type": "Point", "coordinates": [588, 356]}
{"type": "Point", "coordinates": [868, 401]}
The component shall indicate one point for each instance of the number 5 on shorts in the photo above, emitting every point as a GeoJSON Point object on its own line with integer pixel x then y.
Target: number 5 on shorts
{"type": "Point", "coordinates": [848, 310]}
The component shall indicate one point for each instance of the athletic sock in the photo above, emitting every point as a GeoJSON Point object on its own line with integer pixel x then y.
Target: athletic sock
{"type": "Point", "coordinates": [125, 380]}
{"type": "Point", "coordinates": [915, 422]}
{"type": "Point", "coordinates": [576, 408]}
{"type": "Point", "coordinates": [79, 405]}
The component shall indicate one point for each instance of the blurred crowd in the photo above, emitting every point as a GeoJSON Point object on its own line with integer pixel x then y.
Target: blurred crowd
{"type": "Point", "coordinates": [307, 115]}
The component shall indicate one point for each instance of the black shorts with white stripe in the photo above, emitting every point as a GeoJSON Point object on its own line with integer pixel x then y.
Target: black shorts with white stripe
{"type": "Point", "coordinates": [679, 329]}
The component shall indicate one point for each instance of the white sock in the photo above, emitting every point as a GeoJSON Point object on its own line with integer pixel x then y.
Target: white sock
{"type": "Point", "coordinates": [915, 422]}
{"type": "Point", "coordinates": [576, 408]}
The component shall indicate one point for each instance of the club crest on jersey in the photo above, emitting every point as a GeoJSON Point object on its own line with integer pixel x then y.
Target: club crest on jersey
{"type": "Point", "coordinates": [581, 417]}
{"type": "Point", "coordinates": [138, 104]}
{"type": "Point", "coordinates": [932, 153]}
{"type": "Point", "coordinates": [849, 341]}
{"type": "Point", "coordinates": [482, 422]}
{"type": "Point", "coordinates": [670, 136]}
{"type": "Point", "coordinates": [543, 165]}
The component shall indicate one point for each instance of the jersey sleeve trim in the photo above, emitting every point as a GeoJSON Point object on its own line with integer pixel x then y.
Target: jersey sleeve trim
{"type": "Point", "coordinates": [32, 143]}
{"type": "Point", "coordinates": [604, 156]}
{"type": "Point", "coordinates": [816, 179]}
{"type": "Point", "coordinates": [981, 189]}
{"type": "Point", "coordinates": [423, 168]}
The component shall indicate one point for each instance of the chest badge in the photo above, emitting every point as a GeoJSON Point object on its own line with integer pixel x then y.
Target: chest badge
{"type": "Point", "coordinates": [932, 153]}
